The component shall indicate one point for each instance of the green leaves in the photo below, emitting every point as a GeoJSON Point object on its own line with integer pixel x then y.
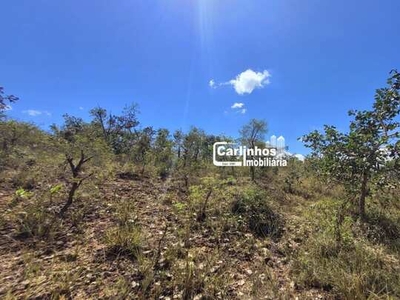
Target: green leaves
{"type": "Point", "coordinates": [21, 193]}
{"type": "Point", "coordinates": [55, 189]}
{"type": "Point", "coordinates": [369, 149]}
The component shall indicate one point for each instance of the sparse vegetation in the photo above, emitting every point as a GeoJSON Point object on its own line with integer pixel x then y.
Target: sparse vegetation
{"type": "Point", "coordinates": [146, 215]}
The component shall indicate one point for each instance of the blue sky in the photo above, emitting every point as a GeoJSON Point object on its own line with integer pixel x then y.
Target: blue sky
{"type": "Point", "coordinates": [308, 62]}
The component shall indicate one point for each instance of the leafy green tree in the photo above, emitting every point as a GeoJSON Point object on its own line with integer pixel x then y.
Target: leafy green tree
{"type": "Point", "coordinates": [103, 121]}
{"type": "Point", "coordinates": [369, 151]}
{"type": "Point", "coordinates": [75, 135]}
{"type": "Point", "coordinates": [143, 146]}
{"type": "Point", "coordinates": [163, 152]}
{"type": "Point", "coordinates": [178, 140]}
{"type": "Point", "coordinates": [193, 153]}
{"type": "Point", "coordinates": [70, 129]}
{"type": "Point", "coordinates": [192, 147]}
{"type": "Point", "coordinates": [251, 134]}
{"type": "Point", "coordinates": [118, 131]}
{"type": "Point", "coordinates": [128, 120]}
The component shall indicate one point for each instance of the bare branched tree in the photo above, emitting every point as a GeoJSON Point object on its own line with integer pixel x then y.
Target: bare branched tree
{"type": "Point", "coordinates": [77, 179]}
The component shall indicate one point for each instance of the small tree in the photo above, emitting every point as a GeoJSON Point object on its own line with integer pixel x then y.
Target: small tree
{"type": "Point", "coordinates": [251, 134]}
{"type": "Point", "coordinates": [117, 131]}
{"type": "Point", "coordinates": [192, 154]}
{"type": "Point", "coordinates": [142, 149]}
{"type": "Point", "coordinates": [77, 178]}
{"type": "Point", "coordinates": [163, 153]}
{"type": "Point", "coordinates": [369, 151]}
{"type": "Point", "coordinates": [178, 140]}
{"type": "Point", "coordinates": [72, 127]}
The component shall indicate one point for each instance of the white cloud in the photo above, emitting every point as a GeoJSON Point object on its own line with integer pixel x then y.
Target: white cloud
{"type": "Point", "coordinates": [8, 107]}
{"type": "Point", "coordinates": [35, 113]}
{"type": "Point", "coordinates": [80, 108]}
{"type": "Point", "coordinates": [32, 112]}
{"type": "Point", "coordinates": [247, 81]}
{"type": "Point", "coordinates": [237, 105]}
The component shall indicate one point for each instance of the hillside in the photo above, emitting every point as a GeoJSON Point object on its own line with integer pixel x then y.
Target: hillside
{"type": "Point", "coordinates": [206, 233]}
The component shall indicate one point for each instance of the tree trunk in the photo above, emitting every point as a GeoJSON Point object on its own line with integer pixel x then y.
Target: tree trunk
{"type": "Point", "coordinates": [5, 146]}
{"type": "Point", "coordinates": [252, 172]}
{"type": "Point", "coordinates": [71, 194]}
{"type": "Point", "coordinates": [363, 195]}
{"type": "Point", "coordinates": [75, 169]}
{"type": "Point", "coordinates": [252, 169]}
{"type": "Point", "coordinates": [143, 167]}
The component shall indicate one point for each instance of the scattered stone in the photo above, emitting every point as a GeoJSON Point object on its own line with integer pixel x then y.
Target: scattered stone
{"type": "Point", "coordinates": [241, 282]}
{"type": "Point", "coordinates": [25, 283]}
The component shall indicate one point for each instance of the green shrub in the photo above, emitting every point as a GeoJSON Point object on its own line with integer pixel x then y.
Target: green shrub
{"type": "Point", "coordinates": [261, 219]}
{"type": "Point", "coordinates": [36, 221]}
